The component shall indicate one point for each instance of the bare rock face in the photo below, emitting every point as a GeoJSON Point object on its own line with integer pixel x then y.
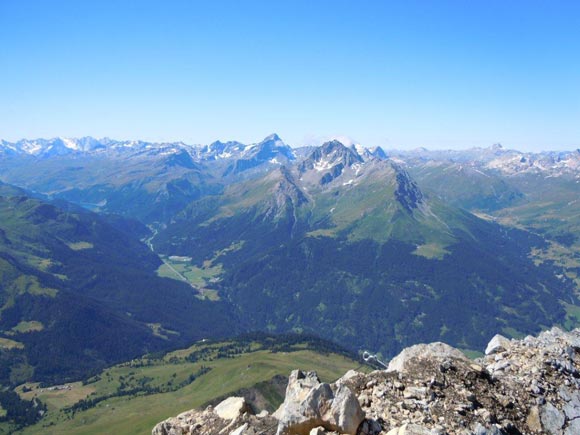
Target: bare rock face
{"type": "Point", "coordinates": [310, 404]}
{"type": "Point", "coordinates": [521, 387]}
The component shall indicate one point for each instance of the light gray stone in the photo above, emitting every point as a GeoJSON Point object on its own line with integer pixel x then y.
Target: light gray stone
{"type": "Point", "coordinates": [241, 430]}
{"type": "Point", "coordinates": [231, 408]}
{"type": "Point", "coordinates": [411, 356]}
{"type": "Point", "coordinates": [573, 428]}
{"type": "Point", "coordinates": [572, 410]}
{"type": "Point", "coordinates": [410, 429]}
{"type": "Point", "coordinates": [564, 393]}
{"type": "Point", "coordinates": [349, 375]}
{"type": "Point", "coordinates": [497, 344]}
{"type": "Point", "coordinates": [309, 404]}
{"type": "Point", "coordinates": [552, 419]}
{"type": "Point", "coordinates": [482, 430]}
{"type": "Point", "coordinates": [537, 391]}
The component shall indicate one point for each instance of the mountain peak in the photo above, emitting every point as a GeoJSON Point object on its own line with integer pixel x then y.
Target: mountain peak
{"type": "Point", "coordinates": [332, 145]}
{"type": "Point", "coordinates": [329, 160]}
{"type": "Point", "coordinates": [379, 153]}
{"type": "Point", "coordinates": [272, 150]}
{"type": "Point", "coordinates": [273, 137]}
{"type": "Point", "coordinates": [369, 153]}
{"type": "Point", "coordinates": [181, 158]}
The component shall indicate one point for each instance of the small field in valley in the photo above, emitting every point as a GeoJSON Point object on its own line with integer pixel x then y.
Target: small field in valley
{"type": "Point", "coordinates": [181, 269]}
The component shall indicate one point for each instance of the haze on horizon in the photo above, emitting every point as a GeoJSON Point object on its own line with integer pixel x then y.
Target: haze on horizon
{"type": "Point", "coordinates": [446, 74]}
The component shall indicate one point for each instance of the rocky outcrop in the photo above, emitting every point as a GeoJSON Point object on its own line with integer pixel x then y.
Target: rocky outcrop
{"type": "Point", "coordinates": [529, 386]}
{"type": "Point", "coordinates": [497, 344]}
{"type": "Point", "coordinates": [230, 417]}
{"type": "Point", "coordinates": [310, 404]}
{"type": "Point", "coordinates": [414, 357]}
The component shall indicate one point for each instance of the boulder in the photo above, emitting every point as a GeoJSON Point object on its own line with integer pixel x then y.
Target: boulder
{"type": "Point", "coordinates": [415, 355]}
{"type": "Point", "coordinates": [232, 408]}
{"type": "Point", "coordinates": [497, 344]}
{"type": "Point", "coordinates": [349, 375]}
{"type": "Point", "coordinates": [410, 429]}
{"type": "Point", "coordinates": [241, 430]}
{"type": "Point", "coordinates": [299, 385]}
{"type": "Point", "coordinates": [203, 422]}
{"type": "Point", "coordinates": [482, 430]}
{"type": "Point", "coordinates": [310, 404]}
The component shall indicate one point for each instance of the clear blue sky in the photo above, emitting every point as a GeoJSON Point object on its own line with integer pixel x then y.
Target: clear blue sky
{"type": "Point", "coordinates": [441, 74]}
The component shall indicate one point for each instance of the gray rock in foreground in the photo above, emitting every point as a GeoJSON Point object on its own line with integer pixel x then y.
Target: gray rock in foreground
{"type": "Point", "coordinates": [310, 404]}
{"type": "Point", "coordinates": [529, 386]}
{"type": "Point", "coordinates": [497, 344]}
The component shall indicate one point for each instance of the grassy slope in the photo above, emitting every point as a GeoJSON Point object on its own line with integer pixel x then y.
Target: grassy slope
{"type": "Point", "coordinates": [466, 187]}
{"type": "Point", "coordinates": [138, 415]}
{"type": "Point", "coordinates": [547, 206]}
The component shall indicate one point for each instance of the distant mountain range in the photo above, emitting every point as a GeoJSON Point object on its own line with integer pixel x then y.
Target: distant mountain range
{"type": "Point", "coordinates": [274, 150]}
{"type": "Point", "coordinates": [374, 249]}
{"type": "Point", "coordinates": [271, 147]}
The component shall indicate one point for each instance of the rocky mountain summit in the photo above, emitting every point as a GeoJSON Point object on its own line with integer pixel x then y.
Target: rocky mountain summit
{"type": "Point", "coordinates": [529, 386]}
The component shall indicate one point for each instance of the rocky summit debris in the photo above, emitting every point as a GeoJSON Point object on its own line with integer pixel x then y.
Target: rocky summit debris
{"type": "Point", "coordinates": [529, 386]}
{"type": "Point", "coordinates": [310, 404]}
